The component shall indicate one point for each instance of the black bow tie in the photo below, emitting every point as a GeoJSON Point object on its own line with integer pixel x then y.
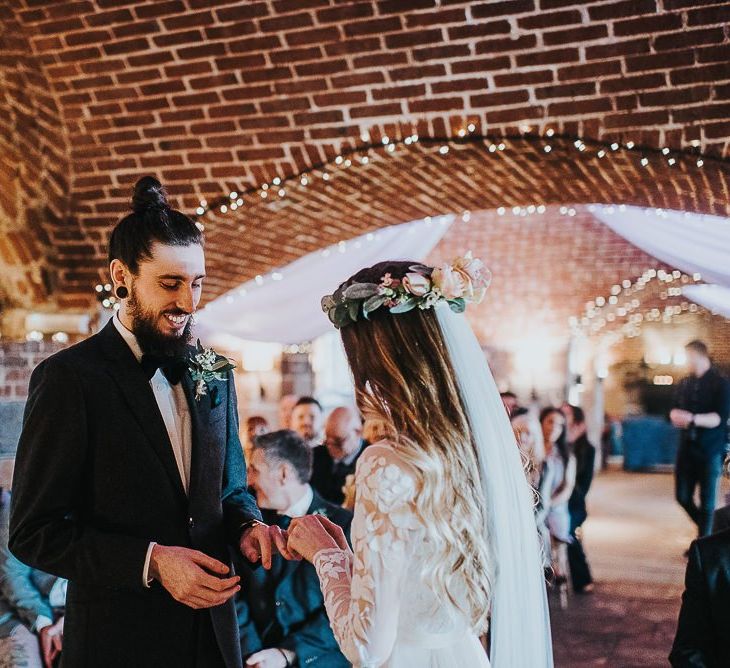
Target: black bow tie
{"type": "Point", "coordinates": [173, 367]}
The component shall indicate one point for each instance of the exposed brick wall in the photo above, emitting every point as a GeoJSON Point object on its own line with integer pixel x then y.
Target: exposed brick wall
{"type": "Point", "coordinates": [220, 96]}
{"type": "Point", "coordinates": [34, 190]}
{"type": "Point", "coordinates": [546, 267]}
{"type": "Point", "coordinates": [17, 361]}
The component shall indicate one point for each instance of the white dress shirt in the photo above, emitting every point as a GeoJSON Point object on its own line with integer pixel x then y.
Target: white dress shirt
{"type": "Point", "coordinates": [299, 508]}
{"type": "Point", "coordinates": [175, 414]}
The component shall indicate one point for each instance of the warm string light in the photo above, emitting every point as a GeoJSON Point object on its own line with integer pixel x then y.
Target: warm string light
{"type": "Point", "coordinates": [624, 303]}
{"type": "Point", "coordinates": [106, 297]}
{"type": "Point", "coordinates": [388, 146]}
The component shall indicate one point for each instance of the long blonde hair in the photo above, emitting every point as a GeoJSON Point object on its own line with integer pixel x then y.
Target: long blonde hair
{"type": "Point", "coordinates": [404, 377]}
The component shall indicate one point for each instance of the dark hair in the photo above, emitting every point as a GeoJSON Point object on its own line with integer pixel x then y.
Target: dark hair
{"type": "Point", "coordinates": [517, 412]}
{"type": "Point", "coordinates": [562, 443]}
{"type": "Point", "coordinates": [257, 421]}
{"type": "Point", "coordinates": [285, 445]}
{"type": "Point", "coordinates": [151, 220]}
{"type": "Point", "coordinates": [699, 347]}
{"type": "Point", "coordinates": [579, 415]}
{"type": "Point", "coordinates": [306, 401]}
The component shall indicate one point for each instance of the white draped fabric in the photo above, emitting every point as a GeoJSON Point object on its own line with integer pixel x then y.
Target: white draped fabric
{"type": "Point", "coordinates": [284, 305]}
{"type": "Point", "coordinates": [690, 242]}
{"type": "Point", "coordinates": [715, 298]}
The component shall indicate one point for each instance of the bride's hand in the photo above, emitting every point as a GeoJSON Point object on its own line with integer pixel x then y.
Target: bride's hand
{"type": "Point", "coordinates": [308, 535]}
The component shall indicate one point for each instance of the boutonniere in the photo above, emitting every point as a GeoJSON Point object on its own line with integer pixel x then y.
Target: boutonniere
{"type": "Point", "coordinates": [205, 366]}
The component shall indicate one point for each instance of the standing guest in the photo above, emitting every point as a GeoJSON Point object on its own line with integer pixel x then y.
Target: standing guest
{"type": "Point", "coordinates": [337, 457]}
{"type": "Point", "coordinates": [704, 619]}
{"type": "Point", "coordinates": [281, 613]}
{"type": "Point", "coordinates": [129, 479]}
{"type": "Point", "coordinates": [557, 480]}
{"type": "Point", "coordinates": [509, 399]}
{"type": "Point", "coordinates": [701, 411]}
{"type": "Point", "coordinates": [306, 420]}
{"type": "Point", "coordinates": [255, 426]}
{"type": "Point", "coordinates": [585, 462]}
{"type": "Point", "coordinates": [31, 605]}
{"type": "Point", "coordinates": [286, 406]}
{"type": "Point", "coordinates": [530, 443]}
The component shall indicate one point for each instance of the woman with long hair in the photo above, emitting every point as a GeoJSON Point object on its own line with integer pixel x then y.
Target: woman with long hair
{"type": "Point", "coordinates": [443, 534]}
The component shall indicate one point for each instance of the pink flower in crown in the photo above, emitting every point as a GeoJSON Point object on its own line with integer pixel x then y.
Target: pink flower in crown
{"type": "Point", "coordinates": [417, 284]}
{"type": "Point", "coordinates": [386, 281]}
{"type": "Point", "coordinates": [451, 283]}
{"type": "Point", "coordinates": [475, 275]}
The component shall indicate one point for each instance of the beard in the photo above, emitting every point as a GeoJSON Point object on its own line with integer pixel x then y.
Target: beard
{"type": "Point", "coordinates": [151, 340]}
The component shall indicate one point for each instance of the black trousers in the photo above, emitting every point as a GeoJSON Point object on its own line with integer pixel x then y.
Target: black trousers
{"type": "Point", "coordinates": [697, 468]}
{"type": "Point", "coordinates": [204, 650]}
{"type": "Point", "coordinates": [580, 571]}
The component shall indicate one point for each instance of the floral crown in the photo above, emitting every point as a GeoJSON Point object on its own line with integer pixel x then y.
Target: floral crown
{"type": "Point", "coordinates": [463, 281]}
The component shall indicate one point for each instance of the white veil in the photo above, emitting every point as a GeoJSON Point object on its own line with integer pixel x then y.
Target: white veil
{"type": "Point", "coordinates": [520, 636]}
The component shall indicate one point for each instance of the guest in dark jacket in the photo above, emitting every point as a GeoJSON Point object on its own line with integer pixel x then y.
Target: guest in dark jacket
{"type": "Point", "coordinates": [585, 459]}
{"type": "Point", "coordinates": [337, 457]}
{"type": "Point", "coordinates": [704, 620]}
{"type": "Point", "coordinates": [281, 613]}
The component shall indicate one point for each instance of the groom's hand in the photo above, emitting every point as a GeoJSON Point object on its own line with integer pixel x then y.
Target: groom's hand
{"type": "Point", "coordinates": [191, 577]}
{"type": "Point", "coordinates": [259, 542]}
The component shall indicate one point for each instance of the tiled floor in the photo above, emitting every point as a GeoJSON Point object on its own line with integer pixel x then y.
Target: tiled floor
{"type": "Point", "coordinates": [635, 538]}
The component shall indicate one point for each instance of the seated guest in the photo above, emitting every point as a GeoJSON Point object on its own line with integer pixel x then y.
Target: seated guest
{"type": "Point", "coordinates": [281, 613]}
{"type": "Point", "coordinates": [704, 619]}
{"type": "Point", "coordinates": [306, 420]}
{"type": "Point", "coordinates": [31, 606]}
{"type": "Point", "coordinates": [255, 426]}
{"type": "Point", "coordinates": [585, 461]}
{"type": "Point", "coordinates": [557, 479]}
{"type": "Point", "coordinates": [336, 459]}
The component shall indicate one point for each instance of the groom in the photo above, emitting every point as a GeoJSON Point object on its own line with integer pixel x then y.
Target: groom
{"type": "Point", "coordinates": [128, 482]}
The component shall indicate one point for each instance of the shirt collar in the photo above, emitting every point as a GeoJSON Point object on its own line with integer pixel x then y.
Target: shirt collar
{"type": "Point", "coordinates": [299, 508]}
{"type": "Point", "coordinates": [350, 458]}
{"type": "Point", "coordinates": [128, 336]}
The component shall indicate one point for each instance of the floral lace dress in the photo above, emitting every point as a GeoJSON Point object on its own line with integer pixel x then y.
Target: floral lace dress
{"type": "Point", "coordinates": [381, 612]}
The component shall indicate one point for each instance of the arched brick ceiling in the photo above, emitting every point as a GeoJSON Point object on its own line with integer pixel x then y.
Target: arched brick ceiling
{"type": "Point", "coordinates": [223, 96]}
{"type": "Point", "coordinates": [34, 190]}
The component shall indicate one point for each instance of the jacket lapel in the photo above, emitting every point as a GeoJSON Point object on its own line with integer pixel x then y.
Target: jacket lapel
{"type": "Point", "coordinates": [199, 410]}
{"type": "Point", "coordinates": [126, 372]}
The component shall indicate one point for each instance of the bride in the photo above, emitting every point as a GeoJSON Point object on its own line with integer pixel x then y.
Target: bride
{"type": "Point", "coordinates": [444, 537]}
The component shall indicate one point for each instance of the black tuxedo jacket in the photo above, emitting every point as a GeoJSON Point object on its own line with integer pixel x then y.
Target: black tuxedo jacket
{"type": "Point", "coordinates": [284, 607]}
{"type": "Point", "coordinates": [325, 479]}
{"type": "Point", "coordinates": [704, 620]}
{"type": "Point", "coordinates": [96, 480]}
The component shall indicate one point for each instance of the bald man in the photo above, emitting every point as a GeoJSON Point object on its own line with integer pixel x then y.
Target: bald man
{"type": "Point", "coordinates": [337, 457]}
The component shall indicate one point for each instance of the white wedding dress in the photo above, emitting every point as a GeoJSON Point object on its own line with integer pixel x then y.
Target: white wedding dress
{"type": "Point", "coordinates": [381, 612]}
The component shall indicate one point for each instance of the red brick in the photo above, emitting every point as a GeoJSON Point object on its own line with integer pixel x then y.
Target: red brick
{"type": "Point", "coordinates": [480, 30]}
{"type": "Point", "coordinates": [633, 83]}
{"type": "Point", "coordinates": [134, 29]}
{"type": "Point", "coordinates": [573, 35]}
{"type": "Point", "coordinates": [376, 110]}
{"type": "Point", "coordinates": [436, 104]}
{"type": "Point", "coordinates": [373, 27]}
{"type": "Point", "coordinates": [420, 72]}
{"type": "Point", "coordinates": [286, 22]}
{"type": "Point", "coordinates": [159, 8]}
{"type": "Point", "coordinates": [125, 46]}
{"type": "Point", "coordinates": [614, 10]}
{"type": "Point", "coordinates": [491, 46]}
{"type": "Point", "coordinates": [316, 36]}
{"type": "Point", "coordinates": [504, 7]}
{"type": "Point", "coordinates": [499, 99]}
{"type": "Point", "coordinates": [688, 38]}
{"type": "Point", "coordinates": [545, 19]}
{"type": "Point", "coordinates": [480, 65]}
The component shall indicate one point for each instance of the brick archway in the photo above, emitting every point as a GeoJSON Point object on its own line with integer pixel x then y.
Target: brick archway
{"type": "Point", "coordinates": [226, 96]}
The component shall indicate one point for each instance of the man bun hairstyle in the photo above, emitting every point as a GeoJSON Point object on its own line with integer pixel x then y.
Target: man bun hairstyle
{"type": "Point", "coordinates": [152, 220]}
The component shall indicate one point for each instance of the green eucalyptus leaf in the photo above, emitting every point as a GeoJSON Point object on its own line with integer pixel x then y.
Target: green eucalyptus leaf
{"type": "Point", "coordinates": [341, 315]}
{"type": "Point", "coordinates": [361, 291]}
{"type": "Point", "coordinates": [405, 306]}
{"type": "Point", "coordinates": [457, 305]}
{"type": "Point", "coordinates": [353, 308]}
{"type": "Point", "coordinates": [372, 304]}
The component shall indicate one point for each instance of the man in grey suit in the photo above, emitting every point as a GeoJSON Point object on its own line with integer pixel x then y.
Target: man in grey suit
{"type": "Point", "coordinates": [31, 606]}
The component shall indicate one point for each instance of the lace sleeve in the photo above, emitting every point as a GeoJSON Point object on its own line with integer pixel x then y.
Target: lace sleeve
{"type": "Point", "coordinates": [362, 589]}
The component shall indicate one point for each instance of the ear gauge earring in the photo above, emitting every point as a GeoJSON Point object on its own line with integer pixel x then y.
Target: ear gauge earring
{"type": "Point", "coordinates": [122, 292]}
